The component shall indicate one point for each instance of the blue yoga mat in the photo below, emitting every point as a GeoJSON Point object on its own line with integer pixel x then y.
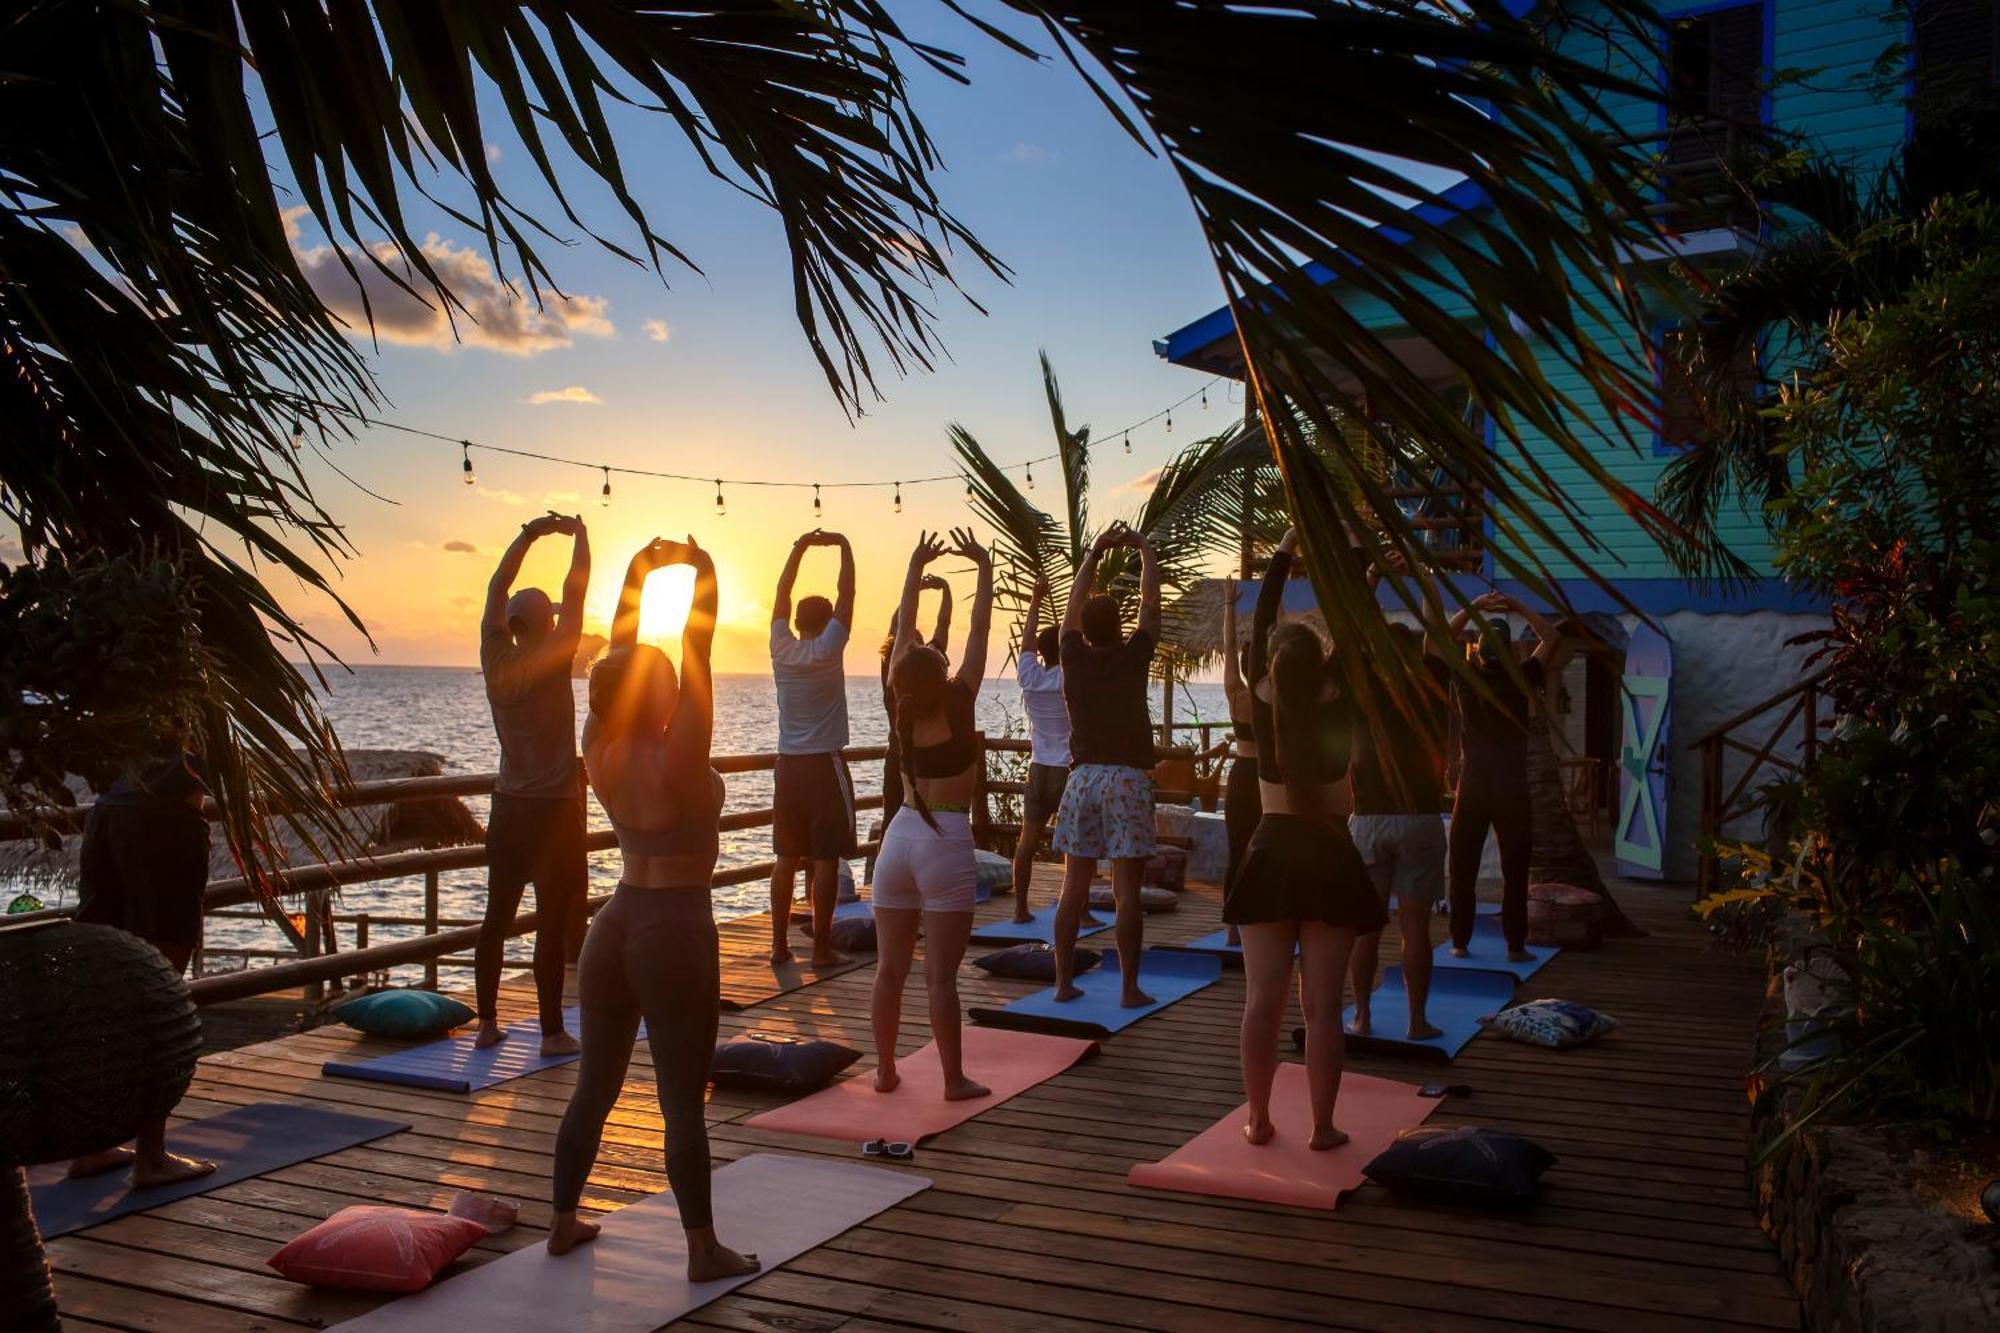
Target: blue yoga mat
{"type": "Point", "coordinates": [1041, 930]}
{"type": "Point", "coordinates": [456, 1065]}
{"type": "Point", "coordinates": [1458, 999]}
{"type": "Point", "coordinates": [1215, 942]}
{"type": "Point", "coordinates": [1165, 974]}
{"type": "Point", "coordinates": [242, 1143]}
{"type": "Point", "coordinates": [1487, 952]}
{"type": "Point", "coordinates": [1443, 909]}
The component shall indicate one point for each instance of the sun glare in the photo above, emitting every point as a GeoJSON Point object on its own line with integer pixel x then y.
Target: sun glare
{"type": "Point", "coordinates": [663, 613]}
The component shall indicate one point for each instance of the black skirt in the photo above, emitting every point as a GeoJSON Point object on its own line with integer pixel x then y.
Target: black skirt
{"type": "Point", "coordinates": [1303, 868]}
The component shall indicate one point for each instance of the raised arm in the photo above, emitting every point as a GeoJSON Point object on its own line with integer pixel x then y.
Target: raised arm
{"type": "Point", "coordinates": [1232, 676]}
{"type": "Point", "coordinates": [941, 632]}
{"type": "Point", "coordinates": [1086, 578]}
{"type": "Point", "coordinates": [1149, 586]}
{"type": "Point", "coordinates": [1269, 597]}
{"type": "Point", "coordinates": [1031, 626]}
{"type": "Point", "coordinates": [692, 730]}
{"type": "Point", "coordinates": [928, 548]}
{"type": "Point", "coordinates": [569, 623]}
{"type": "Point", "coordinates": [781, 601]}
{"type": "Point", "coordinates": [972, 666]}
{"type": "Point", "coordinates": [1548, 639]}
{"type": "Point", "coordinates": [494, 617]}
{"type": "Point", "coordinates": [843, 602]}
{"type": "Point", "coordinates": [625, 620]}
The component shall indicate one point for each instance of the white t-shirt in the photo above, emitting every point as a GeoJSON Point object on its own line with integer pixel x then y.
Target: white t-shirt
{"type": "Point", "coordinates": [1048, 715]}
{"type": "Point", "coordinates": [812, 689]}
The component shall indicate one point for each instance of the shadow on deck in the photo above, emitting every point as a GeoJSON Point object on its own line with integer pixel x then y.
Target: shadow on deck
{"type": "Point", "coordinates": [1644, 1224]}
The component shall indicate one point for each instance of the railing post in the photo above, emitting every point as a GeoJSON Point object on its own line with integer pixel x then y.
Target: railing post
{"type": "Point", "coordinates": [361, 930]}
{"type": "Point", "coordinates": [982, 818]}
{"type": "Point", "coordinates": [430, 925]}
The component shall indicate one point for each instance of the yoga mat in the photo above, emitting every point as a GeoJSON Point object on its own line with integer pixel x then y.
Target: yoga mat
{"type": "Point", "coordinates": [1165, 974]}
{"type": "Point", "coordinates": [633, 1277]}
{"type": "Point", "coordinates": [1217, 942]}
{"type": "Point", "coordinates": [1042, 929]}
{"type": "Point", "coordinates": [242, 1143]}
{"type": "Point", "coordinates": [1008, 1062]}
{"type": "Point", "coordinates": [1487, 951]}
{"type": "Point", "coordinates": [1219, 1161]}
{"type": "Point", "coordinates": [1459, 997]}
{"type": "Point", "coordinates": [456, 1065]}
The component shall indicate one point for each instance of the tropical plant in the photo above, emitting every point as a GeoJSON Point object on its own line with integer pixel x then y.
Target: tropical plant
{"type": "Point", "coordinates": [163, 349]}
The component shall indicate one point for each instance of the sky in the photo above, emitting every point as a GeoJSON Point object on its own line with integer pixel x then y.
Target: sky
{"type": "Point", "coordinates": [708, 373]}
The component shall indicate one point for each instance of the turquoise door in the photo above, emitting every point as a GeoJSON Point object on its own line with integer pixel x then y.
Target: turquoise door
{"type": "Point", "coordinates": [1646, 705]}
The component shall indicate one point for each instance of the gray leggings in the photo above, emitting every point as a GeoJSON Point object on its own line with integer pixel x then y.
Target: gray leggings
{"type": "Point", "coordinates": [650, 953]}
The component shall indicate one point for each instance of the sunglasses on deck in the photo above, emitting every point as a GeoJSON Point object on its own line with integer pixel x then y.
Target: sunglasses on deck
{"type": "Point", "coordinates": [884, 1148]}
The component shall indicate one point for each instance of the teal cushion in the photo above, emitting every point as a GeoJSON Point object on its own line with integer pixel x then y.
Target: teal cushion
{"type": "Point", "coordinates": [403, 1013]}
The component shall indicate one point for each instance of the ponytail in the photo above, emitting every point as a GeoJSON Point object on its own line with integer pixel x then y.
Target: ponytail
{"type": "Point", "coordinates": [1298, 674]}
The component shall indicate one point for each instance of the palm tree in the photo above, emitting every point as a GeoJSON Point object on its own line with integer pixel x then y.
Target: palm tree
{"type": "Point", "coordinates": [161, 350]}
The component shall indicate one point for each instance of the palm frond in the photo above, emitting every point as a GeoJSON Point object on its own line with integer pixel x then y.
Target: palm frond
{"type": "Point", "coordinates": [1073, 452]}
{"type": "Point", "coordinates": [1027, 545]}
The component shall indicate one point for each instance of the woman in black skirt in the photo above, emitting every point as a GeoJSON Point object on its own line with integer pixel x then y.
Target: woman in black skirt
{"type": "Point", "coordinates": [1241, 806]}
{"type": "Point", "coordinates": [1302, 885]}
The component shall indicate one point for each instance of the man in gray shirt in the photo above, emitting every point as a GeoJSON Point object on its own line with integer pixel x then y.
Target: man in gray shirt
{"type": "Point", "coordinates": [813, 796]}
{"type": "Point", "coordinates": [535, 832]}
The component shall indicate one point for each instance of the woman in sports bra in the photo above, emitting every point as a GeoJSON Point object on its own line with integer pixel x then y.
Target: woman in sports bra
{"type": "Point", "coordinates": [1302, 886]}
{"type": "Point", "coordinates": [1241, 804]}
{"type": "Point", "coordinates": [925, 872]}
{"type": "Point", "coordinates": [651, 953]}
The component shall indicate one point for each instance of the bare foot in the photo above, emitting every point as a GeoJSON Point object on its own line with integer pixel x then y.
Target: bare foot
{"type": "Point", "coordinates": [887, 1079]}
{"type": "Point", "coordinates": [1329, 1137]}
{"type": "Point", "coordinates": [490, 1034]}
{"type": "Point", "coordinates": [171, 1167]}
{"type": "Point", "coordinates": [1066, 993]}
{"type": "Point", "coordinates": [716, 1262]}
{"type": "Point", "coordinates": [562, 1043]}
{"type": "Point", "coordinates": [1424, 1032]}
{"type": "Point", "coordinates": [1362, 1025]}
{"type": "Point", "coordinates": [489, 1212]}
{"type": "Point", "coordinates": [1135, 999]}
{"type": "Point", "coordinates": [1459, 951]}
{"type": "Point", "coordinates": [1024, 918]}
{"type": "Point", "coordinates": [1257, 1132]}
{"type": "Point", "coordinates": [830, 957]}
{"type": "Point", "coordinates": [99, 1162]}
{"type": "Point", "coordinates": [781, 954]}
{"type": "Point", "coordinates": [568, 1231]}
{"type": "Point", "coordinates": [963, 1089]}
{"type": "Point", "coordinates": [1519, 956]}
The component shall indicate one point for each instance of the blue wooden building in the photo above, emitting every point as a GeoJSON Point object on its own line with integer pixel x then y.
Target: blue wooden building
{"type": "Point", "coordinates": [1837, 75]}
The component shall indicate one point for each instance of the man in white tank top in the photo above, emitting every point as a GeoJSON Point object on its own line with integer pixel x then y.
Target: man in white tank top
{"type": "Point", "coordinates": [1039, 670]}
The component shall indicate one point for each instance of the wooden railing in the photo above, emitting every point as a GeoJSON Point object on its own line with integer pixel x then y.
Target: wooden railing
{"type": "Point", "coordinates": [1721, 804]}
{"type": "Point", "coordinates": [323, 961]}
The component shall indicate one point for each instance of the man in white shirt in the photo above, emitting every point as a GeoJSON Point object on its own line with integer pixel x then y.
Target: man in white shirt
{"type": "Point", "coordinates": [813, 817]}
{"type": "Point", "coordinates": [1039, 670]}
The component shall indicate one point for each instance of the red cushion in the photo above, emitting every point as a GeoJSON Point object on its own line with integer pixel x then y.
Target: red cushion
{"type": "Point", "coordinates": [371, 1248]}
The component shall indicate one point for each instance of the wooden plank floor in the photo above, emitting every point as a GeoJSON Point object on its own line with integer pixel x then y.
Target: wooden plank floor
{"type": "Point", "coordinates": [1643, 1225]}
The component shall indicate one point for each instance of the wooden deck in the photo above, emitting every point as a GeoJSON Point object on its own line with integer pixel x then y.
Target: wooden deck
{"type": "Point", "coordinates": [1644, 1224]}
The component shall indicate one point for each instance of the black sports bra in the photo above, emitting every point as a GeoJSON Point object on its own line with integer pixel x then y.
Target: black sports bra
{"type": "Point", "coordinates": [959, 749]}
{"type": "Point", "coordinates": [693, 835]}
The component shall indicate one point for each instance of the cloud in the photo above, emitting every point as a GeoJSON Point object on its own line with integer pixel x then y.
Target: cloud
{"type": "Point", "coordinates": [493, 316]}
{"type": "Point", "coordinates": [554, 498]}
{"type": "Point", "coordinates": [1140, 485]}
{"type": "Point", "coordinates": [493, 152]}
{"type": "Point", "coordinates": [462, 602]}
{"type": "Point", "coordinates": [1030, 154]}
{"type": "Point", "coordinates": [574, 393]}
{"type": "Point", "coordinates": [657, 330]}
{"type": "Point", "coordinates": [461, 547]}
{"type": "Point", "coordinates": [499, 495]}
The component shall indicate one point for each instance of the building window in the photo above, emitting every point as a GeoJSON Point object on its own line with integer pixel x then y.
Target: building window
{"type": "Point", "coordinates": [1714, 77]}
{"type": "Point", "coordinates": [1685, 420]}
{"type": "Point", "coordinates": [1957, 47]}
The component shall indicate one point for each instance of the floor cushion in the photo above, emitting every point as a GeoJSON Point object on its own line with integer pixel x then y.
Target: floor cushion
{"type": "Point", "coordinates": [403, 1012]}
{"type": "Point", "coordinates": [368, 1247]}
{"type": "Point", "coordinates": [993, 872]}
{"type": "Point", "coordinates": [1152, 898]}
{"type": "Point", "coordinates": [1553, 1023]}
{"type": "Point", "coordinates": [1562, 916]}
{"type": "Point", "coordinates": [1167, 868]}
{"type": "Point", "coordinates": [1033, 961]}
{"type": "Point", "coordinates": [1461, 1164]}
{"type": "Point", "coordinates": [775, 1062]}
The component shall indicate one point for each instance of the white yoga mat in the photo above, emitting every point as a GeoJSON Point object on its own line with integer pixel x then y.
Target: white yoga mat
{"type": "Point", "coordinates": [632, 1278]}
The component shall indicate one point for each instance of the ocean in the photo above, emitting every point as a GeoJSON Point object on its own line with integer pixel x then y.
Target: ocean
{"type": "Point", "coordinates": [443, 710]}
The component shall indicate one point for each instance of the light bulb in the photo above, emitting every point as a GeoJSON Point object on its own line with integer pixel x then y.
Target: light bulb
{"type": "Point", "coordinates": [1170, 423]}
{"type": "Point", "coordinates": [817, 511]}
{"type": "Point", "coordinates": [604, 496]}
{"type": "Point", "coordinates": [899, 497]}
{"type": "Point", "coordinates": [720, 511]}
{"type": "Point", "coordinates": [969, 496]}
{"type": "Point", "coordinates": [465, 461]}
{"type": "Point", "coordinates": [1128, 441]}
{"type": "Point", "coordinates": [298, 434]}
{"type": "Point", "coordinates": [1204, 400]}
{"type": "Point", "coordinates": [1031, 476]}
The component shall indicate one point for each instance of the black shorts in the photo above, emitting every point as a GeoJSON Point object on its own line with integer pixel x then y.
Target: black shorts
{"type": "Point", "coordinates": [538, 840]}
{"type": "Point", "coordinates": [143, 869]}
{"type": "Point", "coordinates": [1045, 791]}
{"type": "Point", "coordinates": [1303, 868]}
{"type": "Point", "coordinates": [813, 807]}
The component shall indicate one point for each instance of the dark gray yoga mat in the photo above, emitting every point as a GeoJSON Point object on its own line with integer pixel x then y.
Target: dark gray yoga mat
{"type": "Point", "coordinates": [242, 1143]}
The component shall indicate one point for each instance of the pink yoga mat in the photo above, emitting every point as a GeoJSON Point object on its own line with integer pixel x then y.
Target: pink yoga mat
{"type": "Point", "coordinates": [1219, 1161]}
{"type": "Point", "coordinates": [1007, 1062]}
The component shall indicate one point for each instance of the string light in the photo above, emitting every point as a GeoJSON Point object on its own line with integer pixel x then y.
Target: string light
{"type": "Point", "coordinates": [1031, 476]}
{"type": "Point", "coordinates": [720, 511]}
{"type": "Point", "coordinates": [899, 497]}
{"type": "Point", "coordinates": [605, 494]}
{"type": "Point", "coordinates": [1128, 441]}
{"type": "Point", "coordinates": [465, 460]}
{"type": "Point", "coordinates": [1204, 399]}
{"type": "Point", "coordinates": [969, 497]}
{"type": "Point", "coordinates": [1170, 423]}
{"type": "Point", "coordinates": [298, 434]}
{"type": "Point", "coordinates": [817, 511]}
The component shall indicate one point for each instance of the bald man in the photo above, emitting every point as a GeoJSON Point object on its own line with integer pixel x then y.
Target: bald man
{"type": "Point", "coordinates": [535, 832]}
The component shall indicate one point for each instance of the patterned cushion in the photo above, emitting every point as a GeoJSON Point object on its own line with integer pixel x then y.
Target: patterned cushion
{"type": "Point", "coordinates": [994, 874]}
{"type": "Point", "coordinates": [1167, 868]}
{"type": "Point", "coordinates": [367, 1247]}
{"type": "Point", "coordinates": [1552, 1023]}
{"type": "Point", "coordinates": [1563, 916]}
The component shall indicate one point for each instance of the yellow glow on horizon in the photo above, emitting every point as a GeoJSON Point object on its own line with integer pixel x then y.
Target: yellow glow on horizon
{"type": "Point", "coordinates": [663, 610]}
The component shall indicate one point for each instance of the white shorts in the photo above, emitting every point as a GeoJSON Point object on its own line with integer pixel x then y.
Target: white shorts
{"type": "Point", "coordinates": [1405, 855]}
{"type": "Point", "coordinates": [920, 868]}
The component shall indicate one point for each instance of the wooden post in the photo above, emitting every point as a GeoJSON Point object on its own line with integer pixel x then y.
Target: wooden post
{"type": "Point", "coordinates": [982, 818]}
{"type": "Point", "coordinates": [361, 930]}
{"type": "Point", "coordinates": [1167, 708]}
{"type": "Point", "coordinates": [430, 925]}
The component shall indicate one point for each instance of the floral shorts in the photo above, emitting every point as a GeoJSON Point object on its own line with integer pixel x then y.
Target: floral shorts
{"type": "Point", "coordinates": [1107, 813]}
